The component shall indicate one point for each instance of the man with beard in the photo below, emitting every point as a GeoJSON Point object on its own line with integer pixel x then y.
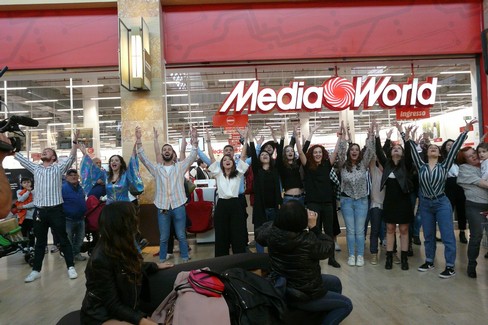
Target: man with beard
{"type": "Point", "coordinates": [170, 197]}
{"type": "Point", "coordinates": [48, 177]}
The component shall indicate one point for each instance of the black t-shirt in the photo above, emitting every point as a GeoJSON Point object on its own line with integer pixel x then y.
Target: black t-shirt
{"type": "Point", "coordinates": [318, 186]}
{"type": "Point", "coordinates": [269, 189]}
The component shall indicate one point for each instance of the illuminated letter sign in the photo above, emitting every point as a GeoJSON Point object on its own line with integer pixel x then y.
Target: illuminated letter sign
{"type": "Point", "coordinates": [336, 94]}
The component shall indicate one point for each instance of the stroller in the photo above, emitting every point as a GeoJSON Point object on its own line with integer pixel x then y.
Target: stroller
{"type": "Point", "coordinates": [12, 241]}
{"type": "Point", "coordinates": [94, 209]}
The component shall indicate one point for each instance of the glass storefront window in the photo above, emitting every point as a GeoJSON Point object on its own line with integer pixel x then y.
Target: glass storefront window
{"type": "Point", "coordinates": [193, 96]}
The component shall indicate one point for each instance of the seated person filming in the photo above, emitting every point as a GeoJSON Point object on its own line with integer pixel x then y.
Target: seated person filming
{"type": "Point", "coordinates": [295, 247]}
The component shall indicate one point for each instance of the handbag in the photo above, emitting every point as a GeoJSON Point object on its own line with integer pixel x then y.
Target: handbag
{"type": "Point", "coordinates": [205, 283]}
{"type": "Point", "coordinates": [199, 212]}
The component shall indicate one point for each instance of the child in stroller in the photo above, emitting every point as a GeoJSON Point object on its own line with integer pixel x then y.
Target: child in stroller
{"type": "Point", "coordinates": [23, 209]}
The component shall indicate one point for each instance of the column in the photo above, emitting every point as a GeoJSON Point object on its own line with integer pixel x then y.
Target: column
{"type": "Point", "coordinates": [90, 112]}
{"type": "Point", "coordinates": [146, 109]}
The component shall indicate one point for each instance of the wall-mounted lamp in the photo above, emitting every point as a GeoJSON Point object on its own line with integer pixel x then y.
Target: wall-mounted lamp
{"type": "Point", "coordinates": [134, 57]}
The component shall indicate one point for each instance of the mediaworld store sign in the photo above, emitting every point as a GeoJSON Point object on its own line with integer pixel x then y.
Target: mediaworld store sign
{"type": "Point", "coordinates": [412, 99]}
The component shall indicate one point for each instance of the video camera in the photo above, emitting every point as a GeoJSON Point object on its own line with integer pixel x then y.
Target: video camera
{"type": "Point", "coordinates": [12, 125]}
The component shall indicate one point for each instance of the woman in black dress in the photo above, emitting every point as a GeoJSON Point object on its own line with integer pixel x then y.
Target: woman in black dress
{"type": "Point", "coordinates": [397, 206]}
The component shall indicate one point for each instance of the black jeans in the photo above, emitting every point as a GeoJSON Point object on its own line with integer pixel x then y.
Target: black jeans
{"type": "Point", "coordinates": [325, 220]}
{"type": "Point", "coordinates": [43, 219]}
{"type": "Point", "coordinates": [476, 222]}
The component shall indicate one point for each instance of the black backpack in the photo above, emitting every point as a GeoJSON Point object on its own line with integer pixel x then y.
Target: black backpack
{"type": "Point", "coordinates": [251, 299]}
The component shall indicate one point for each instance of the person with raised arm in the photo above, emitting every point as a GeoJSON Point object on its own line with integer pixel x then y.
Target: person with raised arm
{"type": "Point", "coordinates": [229, 221]}
{"type": "Point", "coordinates": [434, 205]}
{"type": "Point", "coordinates": [319, 192]}
{"type": "Point", "coordinates": [289, 168]}
{"type": "Point", "coordinates": [354, 164]}
{"type": "Point", "coordinates": [48, 177]}
{"type": "Point", "coordinates": [397, 204]}
{"type": "Point", "coordinates": [266, 186]}
{"type": "Point", "coordinates": [119, 180]}
{"type": "Point", "coordinates": [170, 196]}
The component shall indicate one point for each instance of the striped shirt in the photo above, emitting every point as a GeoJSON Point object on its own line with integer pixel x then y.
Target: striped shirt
{"type": "Point", "coordinates": [170, 182]}
{"type": "Point", "coordinates": [433, 182]}
{"type": "Point", "coordinates": [48, 180]}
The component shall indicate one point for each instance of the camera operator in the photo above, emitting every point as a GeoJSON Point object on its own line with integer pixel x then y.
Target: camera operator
{"type": "Point", "coordinates": [5, 192]}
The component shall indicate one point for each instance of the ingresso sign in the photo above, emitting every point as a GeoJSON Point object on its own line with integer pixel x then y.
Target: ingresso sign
{"type": "Point", "coordinates": [336, 94]}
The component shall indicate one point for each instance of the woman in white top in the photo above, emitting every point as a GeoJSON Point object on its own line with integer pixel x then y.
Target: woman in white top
{"type": "Point", "coordinates": [229, 222]}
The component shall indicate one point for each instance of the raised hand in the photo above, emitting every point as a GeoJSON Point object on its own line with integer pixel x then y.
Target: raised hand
{"type": "Point", "coordinates": [282, 130]}
{"type": "Point", "coordinates": [76, 135]}
{"type": "Point", "coordinates": [194, 137]}
{"type": "Point", "coordinates": [139, 134]}
{"type": "Point", "coordinates": [207, 136]}
{"type": "Point", "coordinates": [82, 148]}
{"type": "Point", "coordinates": [388, 134]}
{"type": "Point", "coordinates": [470, 124]}
{"type": "Point", "coordinates": [315, 128]}
{"type": "Point", "coordinates": [399, 126]}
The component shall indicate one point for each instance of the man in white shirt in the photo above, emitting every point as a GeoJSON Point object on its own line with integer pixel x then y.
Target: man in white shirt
{"type": "Point", "coordinates": [170, 196]}
{"type": "Point", "coordinates": [48, 178]}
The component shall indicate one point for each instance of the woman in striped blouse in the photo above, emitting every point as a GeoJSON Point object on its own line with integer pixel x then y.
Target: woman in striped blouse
{"type": "Point", "coordinates": [434, 205]}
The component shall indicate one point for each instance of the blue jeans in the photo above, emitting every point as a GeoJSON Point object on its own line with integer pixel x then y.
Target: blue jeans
{"type": "Point", "coordinates": [337, 306]}
{"type": "Point", "coordinates": [270, 214]}
{"type": "Point", "coordinates": [76, 233]}
{"type": "Point", "coordinates": [178, 215]}
{"type": "Point", "coordinates": [354, 212]}
{"type": "Point", "coordinates": [376, 218]}
{"type": "Point", "coordinates": [438, 211]}
{"type": "Point", "coordinates": [290, 198]}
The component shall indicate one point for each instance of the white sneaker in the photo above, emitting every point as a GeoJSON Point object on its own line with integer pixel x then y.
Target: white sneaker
{"type": "Point", "coordinates": [351, 261]}
{"type": "Point", "coordinates": [168, 256]}
{"type": "Point", "coordinates": [360, 260]}
{"type": "Point", "coordinates": [34, 275]}
{"type": "Point", "coordinates": [337, 247]}
{"type": "Point", "coordinates": [72, 273]}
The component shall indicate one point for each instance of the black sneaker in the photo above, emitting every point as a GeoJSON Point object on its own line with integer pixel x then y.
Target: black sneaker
{"type": "Point", "coordinates": [447, 273]}
{"type": "Point", "coordinates": [426, 267]}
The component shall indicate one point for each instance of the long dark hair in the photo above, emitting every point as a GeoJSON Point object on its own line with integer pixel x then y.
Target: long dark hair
{"type": "Point", "coordinates": [123, 167]}
{"type": "Point", "coordinates": [311, 163]}
{"type": "Point", "coordinates": [294, 163]}
{"type": "Point", "coordinates": [402, 160]}
{"type": "Point", "coordinates": [348, 163]}
{"type": "Point", "coordinates": [118, 226]}
{"type": "Point", "coordinates": [444, 151]}
{"type": "Point", "coordinates": [233, 172]}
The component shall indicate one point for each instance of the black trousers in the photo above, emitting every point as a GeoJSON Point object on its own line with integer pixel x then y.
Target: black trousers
{"type": "Point", "coordinates": [230, 227]}
{"type": "Point", "coordinates": [43, 219]}
{"type": "Point", "coordinates": [455, 194]}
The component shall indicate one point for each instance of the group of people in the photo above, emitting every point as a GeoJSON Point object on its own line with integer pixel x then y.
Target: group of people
{"type": "Point", "coordinates": [294, 209]}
